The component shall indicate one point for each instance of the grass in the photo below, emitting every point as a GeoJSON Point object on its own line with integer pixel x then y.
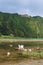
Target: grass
{"type": "Point", "coordinates": [6, 37]}
{"type": "Point", "coordinates": [34, 54]}
{"type": "Point", "coordinates": [15, 54]}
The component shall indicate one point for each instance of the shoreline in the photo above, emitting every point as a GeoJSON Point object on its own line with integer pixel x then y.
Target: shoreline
{"type": "Point", "coordinates": [25, 62]}
{"type": "Point", "coordinates": [21, 40]}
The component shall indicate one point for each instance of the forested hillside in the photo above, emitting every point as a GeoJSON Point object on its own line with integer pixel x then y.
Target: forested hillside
{"type": "Point", "coordinates": [21, 26]}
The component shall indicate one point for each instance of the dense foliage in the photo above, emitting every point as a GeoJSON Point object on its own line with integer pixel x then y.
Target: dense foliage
{"type": "Point", "coordinates": [19, 26]}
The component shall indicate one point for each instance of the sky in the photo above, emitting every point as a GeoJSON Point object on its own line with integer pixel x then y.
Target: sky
{"type": "Point", "coordinates": [30, 7]}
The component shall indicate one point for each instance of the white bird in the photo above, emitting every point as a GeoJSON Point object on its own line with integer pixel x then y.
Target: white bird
{"type": "Point", "coordinates": [21, 47]}
{"type": "Point", "coordinates": [25, 49]}
{"type": "Point", "coordinates": [30, 50]}
{"type": "Point", "coordinates": [11, 45]}
{"type": "Point", "coordinates": [8, 53]}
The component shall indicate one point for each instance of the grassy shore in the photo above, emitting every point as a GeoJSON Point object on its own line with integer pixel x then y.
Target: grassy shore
{"type": "Point", "coordinates": [20, 40]}
{"type": "Point", "coordinates": [20, 55]}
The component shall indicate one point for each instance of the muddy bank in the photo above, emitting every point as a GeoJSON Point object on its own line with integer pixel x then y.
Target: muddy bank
{"type": "Point", "coordinates": [25, 62]}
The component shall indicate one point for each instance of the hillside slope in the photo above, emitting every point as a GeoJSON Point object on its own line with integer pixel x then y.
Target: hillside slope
{"type": "Point", "coordinates": [19, 26]}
